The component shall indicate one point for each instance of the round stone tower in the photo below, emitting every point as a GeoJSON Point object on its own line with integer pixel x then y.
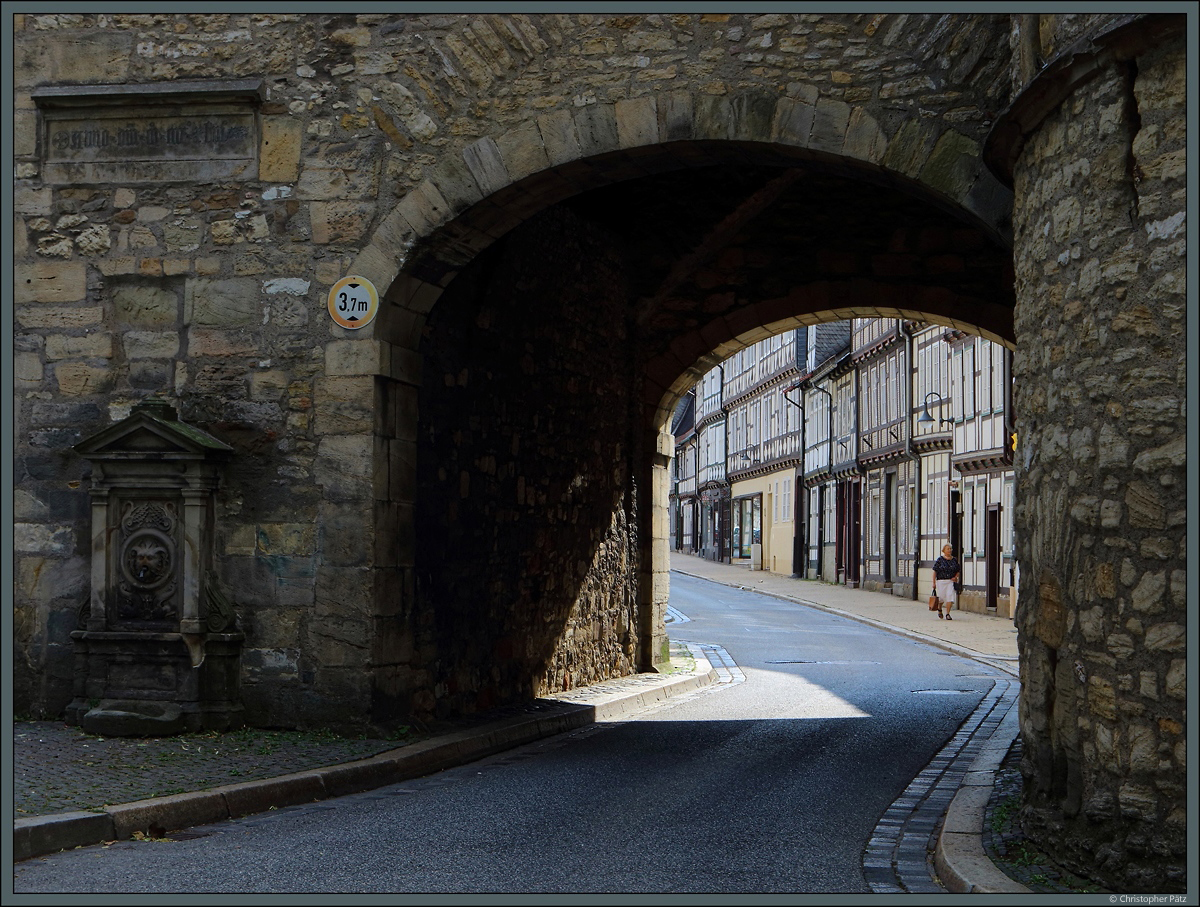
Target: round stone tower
{"type": "Point", "coordinates": [1094, 146]}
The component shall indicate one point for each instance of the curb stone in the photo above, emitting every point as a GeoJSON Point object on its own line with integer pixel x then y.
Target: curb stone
{"type": "Point", "coordinates": [41, 835]}
{"type": "Point", "coordinates": [960, 861]}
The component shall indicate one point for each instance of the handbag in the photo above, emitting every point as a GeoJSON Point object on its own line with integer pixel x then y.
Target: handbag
{"type": "Point", "coordinates": [933, 604]}
{"type": "Point", "coordinates": [958, 587]}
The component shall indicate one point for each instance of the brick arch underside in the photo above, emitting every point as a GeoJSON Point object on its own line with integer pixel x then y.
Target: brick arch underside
{"type": "Point", "coordinates": [535, 487]}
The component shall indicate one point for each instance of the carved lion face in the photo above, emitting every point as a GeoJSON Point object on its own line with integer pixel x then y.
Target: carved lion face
{"type": "Point", "coordinates": [148, 560]}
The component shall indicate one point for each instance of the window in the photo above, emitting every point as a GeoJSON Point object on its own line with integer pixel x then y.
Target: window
{"type": "Point", "coordinates": [957, 399]}
{"type": "Point", "coordinates": [984, 380]}
{"type": "Point", "coordinates": [787, 500]}
{"type": "Point", "coordinates": [981, 502]}
{"type": "Point", "coordinates": [997, 377]}
{"type": "Point", "coordinates": [969, 378]}
{"type": "Point", "coordinates": [936, 504]}
{"type": "Point", "coordinates": [968, 521]}
{"type": "Point", "coordinates": [888, 391]}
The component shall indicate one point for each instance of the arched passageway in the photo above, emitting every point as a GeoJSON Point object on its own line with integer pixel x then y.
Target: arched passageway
{"type": "Point", "coordinates": [551, 362]}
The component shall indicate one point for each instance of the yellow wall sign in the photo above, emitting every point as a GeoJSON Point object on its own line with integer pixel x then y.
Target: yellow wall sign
{"type": "Point", "coordinates": [353, 302]}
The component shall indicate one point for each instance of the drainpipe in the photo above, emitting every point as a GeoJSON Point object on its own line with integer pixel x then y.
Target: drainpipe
{"type": "Point", "coordinates": [911, 454]}
{"type": "Point", "coordinates": [725, 472]}
{"type": "Point", "coordinates": [1009, 416]}
{"type": "Point", "coordinates": [800, 525]}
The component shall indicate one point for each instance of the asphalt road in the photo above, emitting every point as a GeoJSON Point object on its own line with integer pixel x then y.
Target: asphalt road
{"type": "Point", "coordinates": [771, 784]}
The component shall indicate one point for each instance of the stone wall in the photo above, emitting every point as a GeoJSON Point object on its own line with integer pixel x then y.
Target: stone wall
{"type": "Point", "coordinates": [1100, 401]}
{"type": "Point", "coordinates": [207, 282]}
{"type": "Point", "coordinates": [527, 544]}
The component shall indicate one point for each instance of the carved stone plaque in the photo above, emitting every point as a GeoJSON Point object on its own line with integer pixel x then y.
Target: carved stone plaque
{"type": "Point", "coordinates": [147, 577]}
{"type": "Point", "coordinates": [158, 133]}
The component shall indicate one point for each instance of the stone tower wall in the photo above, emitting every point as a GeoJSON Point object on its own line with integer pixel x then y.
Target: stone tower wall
{"type": "Point", "coordinates": [1100, 368]}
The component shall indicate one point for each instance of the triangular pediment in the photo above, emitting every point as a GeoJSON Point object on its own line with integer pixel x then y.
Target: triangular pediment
{"type": "Point", "coordinates": [150, 430]}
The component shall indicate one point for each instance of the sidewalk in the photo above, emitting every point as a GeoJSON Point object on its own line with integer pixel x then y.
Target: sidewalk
{"type": "Point", "coordinates": [992, 638]}
{"type": "Point", "coordinates": [65, 783]}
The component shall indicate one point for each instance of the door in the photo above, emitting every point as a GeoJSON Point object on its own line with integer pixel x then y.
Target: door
{"type": "Point", "coordinates": [854, 549]}
{"type": "Point", "coordinates": [991, 541]}
{"type": "Point", "coordinates": [839, 536]}
{"type": "Point", "coordinates": [889, 526]}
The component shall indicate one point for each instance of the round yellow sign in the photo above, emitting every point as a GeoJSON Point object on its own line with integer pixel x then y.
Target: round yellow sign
{"type": "Point", "coordinates": [353, 302]}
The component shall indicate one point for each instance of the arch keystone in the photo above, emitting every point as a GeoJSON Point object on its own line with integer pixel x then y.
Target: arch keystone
{"type": "Point", "coordinates": [713, 118]}
{"type": "Point", "coordinates": [676, 115]}
{"type": "Point", "coordinates": [753, 114]}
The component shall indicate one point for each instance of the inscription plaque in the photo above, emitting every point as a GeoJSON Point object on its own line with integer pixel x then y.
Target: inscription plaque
{"type": "Point", "coordinates": [161, 133]}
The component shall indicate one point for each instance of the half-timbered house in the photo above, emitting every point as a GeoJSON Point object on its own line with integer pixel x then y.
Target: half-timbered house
{"type": "Point", "coordinates": [981, 527]}
{"type": "Point", "coordinates": [764, 451]}
{"type": "Point", "coordinates": [827, 351]}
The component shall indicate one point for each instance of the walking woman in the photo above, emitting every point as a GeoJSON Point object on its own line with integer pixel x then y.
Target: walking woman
{"type": "Point", "coordinates": [946, 572]}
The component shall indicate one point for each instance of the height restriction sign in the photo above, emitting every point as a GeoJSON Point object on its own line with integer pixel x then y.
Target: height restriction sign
{"type": "Point", "coordinates": [353, 302]}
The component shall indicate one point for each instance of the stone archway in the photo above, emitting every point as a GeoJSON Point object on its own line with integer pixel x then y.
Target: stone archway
{"type": "Point", "coordinates": [785, 145]}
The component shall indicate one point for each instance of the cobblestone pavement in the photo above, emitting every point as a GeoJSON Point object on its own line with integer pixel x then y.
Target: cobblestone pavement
{"type": "Point", "coordinates": [899, 855]}
{"type": "Point", "coordinates": [57, 768]}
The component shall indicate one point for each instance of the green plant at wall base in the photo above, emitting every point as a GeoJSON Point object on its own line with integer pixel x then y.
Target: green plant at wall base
{"type": "Point", "coordinates": [1023, 856]}
{"type": "Point", "coordinates": [1002, 814]}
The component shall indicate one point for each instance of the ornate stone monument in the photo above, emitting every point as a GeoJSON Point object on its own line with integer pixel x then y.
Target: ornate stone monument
{"type": "Point", "coordinates": [158, 650]}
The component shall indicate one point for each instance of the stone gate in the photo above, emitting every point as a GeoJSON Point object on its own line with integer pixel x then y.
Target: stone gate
{"type": "Point", "coordinates": [568, 219]}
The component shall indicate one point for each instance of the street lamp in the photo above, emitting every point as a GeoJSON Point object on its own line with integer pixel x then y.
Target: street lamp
{"type": "Point", "coordinates": [925, 417]}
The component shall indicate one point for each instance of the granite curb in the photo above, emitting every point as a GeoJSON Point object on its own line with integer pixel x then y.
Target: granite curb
{"type": "Point", "coordinates": [40, 835]}
{"type": "Point", "coordinates": [961, 862]}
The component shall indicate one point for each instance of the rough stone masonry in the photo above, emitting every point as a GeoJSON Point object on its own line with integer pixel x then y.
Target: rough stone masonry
{"type": "Point", "coordinates": [464, 503]}
{"type": "Point", "coordinates": [1099, 245]}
